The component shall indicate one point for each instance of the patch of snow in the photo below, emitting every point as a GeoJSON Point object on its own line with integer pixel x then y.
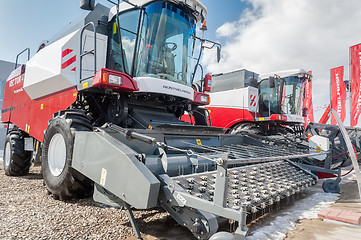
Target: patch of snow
{"type": "Point", "coordinates": [286, 220]}
{"type": "Point", "coordinates": [1, 156]}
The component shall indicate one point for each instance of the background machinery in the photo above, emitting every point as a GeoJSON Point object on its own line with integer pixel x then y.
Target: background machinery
{"type": "Point", "coordinates": [99, 107]}
{"type": "Point", "coordinates": [267, 104]}
{"type": "Point", "coordinates": [269, 108]}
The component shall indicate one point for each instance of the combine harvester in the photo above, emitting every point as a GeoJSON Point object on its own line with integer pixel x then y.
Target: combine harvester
{"type": "Point", "coordinates": [99, 107]}
{"type": "Point", "coordinates": [268, 104]}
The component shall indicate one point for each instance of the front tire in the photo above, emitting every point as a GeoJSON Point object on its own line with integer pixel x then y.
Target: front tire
{"type": "Point", "coordinates": [17, 161]}
{"type": "Point", "coordinates": [60, 178]}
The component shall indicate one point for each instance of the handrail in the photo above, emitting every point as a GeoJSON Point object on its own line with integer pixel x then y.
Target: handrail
{"type": "Point", "coordinates": [93, 51]}
{"type": "Point", "coordinates": [17, 56]}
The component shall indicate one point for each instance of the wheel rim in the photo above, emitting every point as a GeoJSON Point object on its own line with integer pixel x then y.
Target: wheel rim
{"type": "Point", "coordinates": [7, 154]}
{"type": "Point", "coordinates": [57, 154]}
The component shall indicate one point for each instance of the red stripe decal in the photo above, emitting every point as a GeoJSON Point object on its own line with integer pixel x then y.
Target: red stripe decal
{"type": "Point", "coordinates": [67, 63]}
{"type": "Point", "coordinates": [74, 69]}
{"type": "Point", "coordinates": [66, 52]}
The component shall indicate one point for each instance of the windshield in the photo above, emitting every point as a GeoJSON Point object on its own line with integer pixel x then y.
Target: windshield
{"type": "Point", "coordinates": [284, 97]}
{"type": "Point", "coordinates": [165, 44]}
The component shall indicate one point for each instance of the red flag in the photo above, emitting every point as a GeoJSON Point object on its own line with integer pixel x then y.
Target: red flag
{"type": "Point", "coordinates": [307, 102]}
{"type": "Point", "coordinates": [355, 55]}
{"type": "Point", "coordinates": [338, 94]}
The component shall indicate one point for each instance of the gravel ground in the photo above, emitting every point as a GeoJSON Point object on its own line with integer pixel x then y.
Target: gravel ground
{"type": "Point", "coordinates": [28, 212]}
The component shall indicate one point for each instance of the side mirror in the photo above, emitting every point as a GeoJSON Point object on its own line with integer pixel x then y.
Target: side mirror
{"type": "Point", "coordinates": [218, 54]}
{"type": "Point", "coordinates": [304, 112]}
{"type": "Point", "coordinates": [87, 4]}
{"type": "Point", "coordinates": [207, 83]}
{"type": "Point", "coordinates": [271, 81]}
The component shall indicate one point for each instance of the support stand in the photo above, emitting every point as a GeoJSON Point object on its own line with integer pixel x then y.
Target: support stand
{"type": "Point", "coordinates": [132, 221]}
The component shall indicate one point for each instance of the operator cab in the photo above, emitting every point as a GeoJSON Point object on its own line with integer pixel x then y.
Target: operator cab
{"type": "Point", "coordinates": [154, 44]}
{"type": "Point", "coordinates": [282, 94]}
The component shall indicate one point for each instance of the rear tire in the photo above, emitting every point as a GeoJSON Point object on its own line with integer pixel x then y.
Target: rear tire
{"type": "Point", "coordinates": [17, 161]}
{"type": "Point", "coordinates": [60, 178]}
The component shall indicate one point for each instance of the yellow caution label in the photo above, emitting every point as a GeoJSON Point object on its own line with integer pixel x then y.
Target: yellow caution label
{"type": "Point", "coordinates": [85, 85]}
{"type": "Point", "coordinates": [28, 130]}
{"type": "Point", "coordinates": [103, 177]}
{"type": "Point", "coordinates": [115, 28]}
{"type": "Point", "coordinates": [74, 94]}
{"type": "Point", "coordinates": [42, 106]}
{"type": "Point", "coordinates": [198, 141]}
{"type": "Point", "coordinates": [150, 127]}
{"type": "Point", "coordinates": [37, 145]}
{"type": "Point", "coordinates": [318, 149]}
{"type": "Point", "coordinates": [261, 119]}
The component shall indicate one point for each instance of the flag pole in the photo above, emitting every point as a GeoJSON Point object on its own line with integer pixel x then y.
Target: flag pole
{"type": "Point", "coordinates": [330, 95]}
{"type": "Point", "coordinates": [349, 77]}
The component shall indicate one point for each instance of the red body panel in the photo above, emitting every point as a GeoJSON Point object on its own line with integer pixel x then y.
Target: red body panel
{"type": "Point", "coordinates": [227, 117]}
{"type": "Point", "coordinates": [32, 115]}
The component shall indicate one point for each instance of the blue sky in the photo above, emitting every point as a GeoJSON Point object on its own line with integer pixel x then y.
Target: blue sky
{"type": "Point", "coordinates": [25, 23]}
{"type": "Point", "coordinates": [259, 35]}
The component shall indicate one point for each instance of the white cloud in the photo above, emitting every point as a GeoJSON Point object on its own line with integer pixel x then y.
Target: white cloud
{"type": "Point", "coordinates": [285, 34]}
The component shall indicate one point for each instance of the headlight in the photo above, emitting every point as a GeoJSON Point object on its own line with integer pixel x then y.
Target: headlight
{"type": "Point", "coordinates": [204, 99]}
{"type": "Point", "coordinates": [117, 80]}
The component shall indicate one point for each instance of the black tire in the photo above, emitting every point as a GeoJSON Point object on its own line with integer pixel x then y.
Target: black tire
{"type": "Point", "coordinates": [64, 182]}
{"type": "Point", "coordinates": [17, 161]}
{"type": "Point", "coordinates": [329, 186]}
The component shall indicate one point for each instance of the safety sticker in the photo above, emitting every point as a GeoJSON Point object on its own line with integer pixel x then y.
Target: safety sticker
{"type": "Point", "coordinates": [182, 199]}
{"type": "Point", "coordinates": [198, 141]}
{"type": "Point", "coordinates": [41, 106]}
{"type": "Point", "coordinates": [27, 128]}
{"type": "Point", "coordinates": [114, 28]}
{"type": "Point", "coordinates": [103, 177]}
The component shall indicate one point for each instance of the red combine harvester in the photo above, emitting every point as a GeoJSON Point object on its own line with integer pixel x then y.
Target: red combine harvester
{"type": "Point", "coordinates": [267, 104]}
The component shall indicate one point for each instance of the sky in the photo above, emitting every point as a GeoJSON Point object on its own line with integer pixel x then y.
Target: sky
{"type": "Point", "coordinates": [273, 35]}
{"type": "Point", "coordinates": [258, 35]}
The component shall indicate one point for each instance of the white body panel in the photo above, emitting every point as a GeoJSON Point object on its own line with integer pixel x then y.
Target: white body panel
{"type": "Point", "coordinates": [318, 143]}
{"type": "Point", "coordinates": [243, 98]}
{"type": "Point", "coordinates": [156, 85]}
{"type": "Point", "coordinates": [45, 72]}
{"type": "Point", "coordinates": [287, 73]}
{"type": "Point", "coordinates": [196, 5]}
